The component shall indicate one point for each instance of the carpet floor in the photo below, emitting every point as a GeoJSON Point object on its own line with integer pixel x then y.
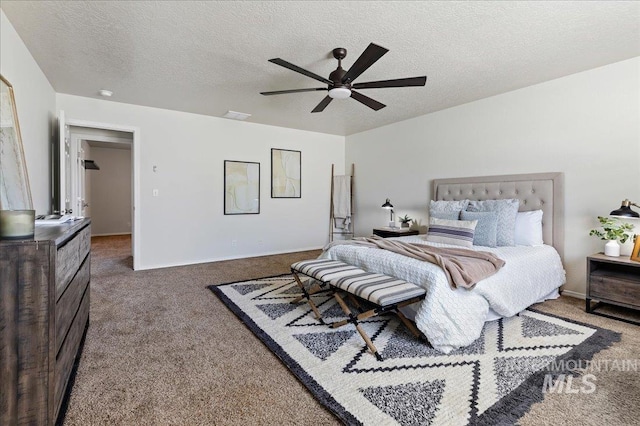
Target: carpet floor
{"type": "Point", "coordinates": [162, 349]}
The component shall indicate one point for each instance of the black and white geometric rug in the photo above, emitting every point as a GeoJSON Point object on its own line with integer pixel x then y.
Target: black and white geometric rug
{"type": "Point", "coordinates": [493, 381]}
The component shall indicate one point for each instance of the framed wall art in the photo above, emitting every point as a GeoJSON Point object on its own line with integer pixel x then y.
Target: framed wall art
{"type": "Point", "coordinates": [286, 173]}
{"type": "Point", "coordinates": [241, 187]}
{"type": "Point", "coordinates": [635, 254]}
{"type": "Point", "coordinates": [15, 193]}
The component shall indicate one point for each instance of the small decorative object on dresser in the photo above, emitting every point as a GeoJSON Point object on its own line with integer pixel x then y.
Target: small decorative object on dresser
{"type": "Point", "coordinates": [17, 224]}
{"type": "Point", "coordinates": [612, 231]}
{"type": "Point", "coordinates": [614, 281]}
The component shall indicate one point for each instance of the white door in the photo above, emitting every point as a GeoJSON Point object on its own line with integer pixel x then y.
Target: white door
{"type": "Point", "coordinates": [72, 174]}
{"type": "Point", "coordinates": [80, 196]}
{"type": "Point", "coordinates": [65, 154]}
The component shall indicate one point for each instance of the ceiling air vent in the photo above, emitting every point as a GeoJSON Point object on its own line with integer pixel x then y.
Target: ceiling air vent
{"type": "Point", "coordinates": [236, 115]}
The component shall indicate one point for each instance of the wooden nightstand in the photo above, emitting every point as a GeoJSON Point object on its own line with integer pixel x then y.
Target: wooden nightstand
{"type": "Point", "coordinates": [393, 232]}
{"type": "Point", "coordinates": [613, 280]}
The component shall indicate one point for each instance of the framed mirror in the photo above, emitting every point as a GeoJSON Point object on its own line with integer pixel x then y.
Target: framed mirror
{"type": "Point", "coordinates": [15, 193]}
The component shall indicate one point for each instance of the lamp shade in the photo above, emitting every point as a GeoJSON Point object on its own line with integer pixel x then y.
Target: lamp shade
{"type": "Point", "coordinates": [387, 205]}
{"type": "Point", "coordinates": [625, 210]}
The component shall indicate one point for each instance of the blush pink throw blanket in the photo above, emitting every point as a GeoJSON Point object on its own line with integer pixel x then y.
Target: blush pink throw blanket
{"type": "Point", "coordinates": [463, 267]}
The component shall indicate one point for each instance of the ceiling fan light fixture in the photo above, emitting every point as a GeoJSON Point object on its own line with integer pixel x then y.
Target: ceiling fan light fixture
{"type": "Point", "coordinates": [340, 93]}
{"type": "Point", "coordinates": [340, 82]}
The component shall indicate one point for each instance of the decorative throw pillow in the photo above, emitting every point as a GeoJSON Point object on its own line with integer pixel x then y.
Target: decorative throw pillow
{"type": "Point", "coordinates": [487, 228]}
{"type": "Point", "coordinates": [506, 211]}
{"type": "Point", "coordinates": [455, 232]}
{"type": "Point", "coordinates": [447, 209]}
{"type": "Point", "coordinates": [528, 230]}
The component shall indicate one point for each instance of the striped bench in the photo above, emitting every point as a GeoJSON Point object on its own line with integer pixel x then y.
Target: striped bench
{"type": "Point", "coordinates": [388, 294]}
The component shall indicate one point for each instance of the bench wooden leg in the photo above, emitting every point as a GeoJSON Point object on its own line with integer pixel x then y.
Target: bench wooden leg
{"type": "Point", "coordinates": [412, 328]}
{"type": "Point", "coordinates": [355, 302]}
{"type": "Point", "coordinates": [369, 343]}
{"type": "Point", "coordinates": [354, 319]}
{"type": "Point", "coordinates": [313, 290]}
{"type": "Point", "coordinates": [306, 295]}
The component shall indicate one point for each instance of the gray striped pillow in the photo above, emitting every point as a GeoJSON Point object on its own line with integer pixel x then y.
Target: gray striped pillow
{"type": "Point", "coordinates": [455, 232]}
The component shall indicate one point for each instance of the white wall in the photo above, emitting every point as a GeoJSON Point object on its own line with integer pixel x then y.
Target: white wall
{"type": "Point", "coordinates": [586, 125]}
{"type": "Point", "coordinates": [36, 105]}
{"type": "Point", "coordinates": [110, 191]}
{"type": "Point", "coordinates": [185, 223]}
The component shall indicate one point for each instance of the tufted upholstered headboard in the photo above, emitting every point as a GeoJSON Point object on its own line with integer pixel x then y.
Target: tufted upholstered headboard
{"type": "Point", "coordinates": [536, 191]}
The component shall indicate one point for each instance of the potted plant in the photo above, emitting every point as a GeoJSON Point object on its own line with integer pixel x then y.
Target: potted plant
{"type": "Point", "coordinates": [612, 231]}
{"type": "Point", "coordinates": [404, 221]}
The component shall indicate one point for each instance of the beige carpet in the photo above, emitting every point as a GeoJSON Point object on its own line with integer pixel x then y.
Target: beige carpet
{"type": "Point", "coordinates": [162, 349]}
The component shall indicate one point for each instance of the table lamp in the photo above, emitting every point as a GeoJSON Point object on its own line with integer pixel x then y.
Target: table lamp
{"type": "Point", "coordinates": [387, 205]}
{"type": "Point", "coordinates": [625, 210]}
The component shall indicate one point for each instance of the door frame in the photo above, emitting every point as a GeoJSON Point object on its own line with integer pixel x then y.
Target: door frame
{"type": "Point", "coordinates": [135, 177]}
{"type": "Point", "coordinates": [78, 138]}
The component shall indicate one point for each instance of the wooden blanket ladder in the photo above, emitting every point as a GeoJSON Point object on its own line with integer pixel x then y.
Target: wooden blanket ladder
{"type": "Point", "coordinates": [343, 233]}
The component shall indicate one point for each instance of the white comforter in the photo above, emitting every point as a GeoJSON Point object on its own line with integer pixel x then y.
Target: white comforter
{"type": "Point", "coordinates": [454, 318]}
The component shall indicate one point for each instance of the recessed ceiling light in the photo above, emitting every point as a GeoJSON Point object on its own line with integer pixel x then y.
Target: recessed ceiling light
{"type": "Point", "coordinates": [236, 115]}
{"type": "Point", "coordinates": [106, 93]}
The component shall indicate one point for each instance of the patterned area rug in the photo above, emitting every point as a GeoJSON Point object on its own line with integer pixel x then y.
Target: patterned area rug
{"type": "Point", "coordinates": [493, 381]}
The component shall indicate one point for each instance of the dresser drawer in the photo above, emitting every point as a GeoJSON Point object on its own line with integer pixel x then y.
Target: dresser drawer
{"type": "Point", "coordinates": [69, 351]}
{"type": "Point", "coordinates": [69, 258]}
{"type": "Point", "coordinates": [69, 302]}
{"type": "Point", "coordinates": [612, 288]}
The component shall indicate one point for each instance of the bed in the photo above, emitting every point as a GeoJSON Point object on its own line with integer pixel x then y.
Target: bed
{"type": "Point", "coordinates": [453, 318]}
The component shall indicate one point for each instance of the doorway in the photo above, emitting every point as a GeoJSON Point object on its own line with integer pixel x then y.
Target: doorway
{"type": "Point", "coordinates": [104, 188]}
{"type": "Point", "coordinates": [111, 198]}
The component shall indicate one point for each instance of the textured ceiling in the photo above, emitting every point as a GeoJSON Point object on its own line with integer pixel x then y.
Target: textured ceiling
{"type": "Point", "coordinates": [210, 57]}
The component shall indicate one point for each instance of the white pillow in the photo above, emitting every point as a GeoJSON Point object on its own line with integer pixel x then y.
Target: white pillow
{"type": "Point", "coordinates": [528, 230]}
{"type": "Point", "coordinates": [455, 232]}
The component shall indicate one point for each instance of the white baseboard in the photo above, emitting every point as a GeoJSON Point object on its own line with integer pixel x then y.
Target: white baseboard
{"type": "Point", "coordinates": [111, 235]}
{"type": "Point", "coordinates": [574, 294]}
{"type": "Point", "coordinates": [220, 259]}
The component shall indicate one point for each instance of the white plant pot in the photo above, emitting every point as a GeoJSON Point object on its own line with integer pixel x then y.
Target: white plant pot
{"type": "Point", "coordinates": [612, 248]}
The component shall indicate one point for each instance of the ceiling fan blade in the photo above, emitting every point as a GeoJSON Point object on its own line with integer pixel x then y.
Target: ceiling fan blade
{"type": "Point", "coordinates": [323, 104]}
{"type": "Point", "coordinates": [282, 92]}
{"type": "Point", "coordinates": [296, 68]}
{"type": "Point", "coordinates": [399, 82]}
{"type": "Point", "coordinates": [371, 103]}
{"type": "Point", "coordinates": [371, 54]}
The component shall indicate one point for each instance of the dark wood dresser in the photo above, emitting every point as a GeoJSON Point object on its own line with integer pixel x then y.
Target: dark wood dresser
{"type": "Point", "coordinates": [44, 312]}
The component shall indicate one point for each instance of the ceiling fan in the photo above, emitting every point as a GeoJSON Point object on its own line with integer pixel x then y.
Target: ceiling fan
{"type": "Point", "coordinates": [340, 82]}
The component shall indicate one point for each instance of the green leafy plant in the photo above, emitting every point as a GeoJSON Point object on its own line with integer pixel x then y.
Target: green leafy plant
{"type": "Point", "coordinates": [405, 219]}
{"type": "Point", "coordinates": [612, 229]}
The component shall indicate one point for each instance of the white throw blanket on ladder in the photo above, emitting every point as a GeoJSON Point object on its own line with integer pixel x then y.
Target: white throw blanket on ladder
{"type": "Point", "coordinates": [342, 202]}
